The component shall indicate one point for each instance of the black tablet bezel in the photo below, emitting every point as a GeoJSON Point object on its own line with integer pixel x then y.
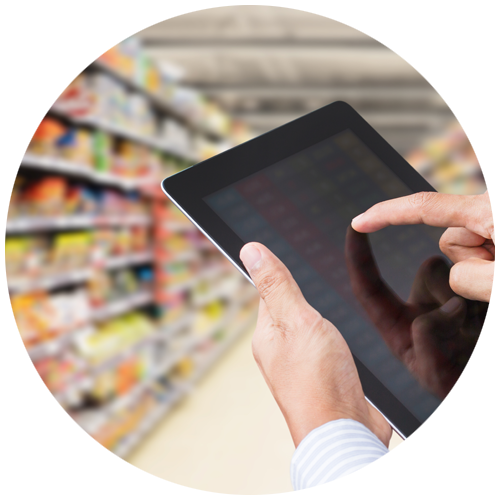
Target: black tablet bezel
{"type": "Point", "coordinates": [188, 188]}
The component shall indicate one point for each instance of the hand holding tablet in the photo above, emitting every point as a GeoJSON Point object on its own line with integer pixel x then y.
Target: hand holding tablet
{"type": "Point", "coordinates": [296, 190]}
{"type": "Point", "coordinates": [302, 356]}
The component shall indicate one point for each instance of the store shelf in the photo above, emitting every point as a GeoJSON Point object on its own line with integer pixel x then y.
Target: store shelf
{"type": "Point", "coordinates": [33, 169]}
{"type": "Point", "coordinates": [158, 102]}
{"type": "Point", "coordinates": [209, 273]}
{"type": "Point", "coordinates": [102, 415]}
{"type": "Point", "coordinates": [222, 291]}
{"type": "Point", "coordinates": [77, 276]}
{"type": "Point", "coordinates": [157, 143]}
{"type": "Point", "coordinates": [129, 442]}
{"type": "Point", "coordinates": [53, 347]}
{"type": "Point", "coordinates": [64, 222]}
{"type": "Point", "coordinates": [25, 285]}
{"type": "Point", "coordinates": [181, 389]}
{"type": "Point", "coordinates": [118, 261]}
{"type": "Point", "coordinates": [123, 305]}
{"type": "Point", "coordinates": [65, 167]}
{"type": "Point", "coordinates": [220, 350]}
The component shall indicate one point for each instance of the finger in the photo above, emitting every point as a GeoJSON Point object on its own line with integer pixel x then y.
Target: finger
{"type": "Point", "coordinates": [458, 243]}
{"type": "Point", "coordinates": [432, 283]}
{"type": "Point", "coordinates": [473, 279]}
{"type": "Point", "coordinates": [285, 303]}
{"type": "Point", "coordinates": [431, 334]}
{"type": "Point", "coordinates": [442, 322]}
{"type": "Point", "coordinates": [433, 209]}
{"type": "Point", "coordinates": [382, 305]}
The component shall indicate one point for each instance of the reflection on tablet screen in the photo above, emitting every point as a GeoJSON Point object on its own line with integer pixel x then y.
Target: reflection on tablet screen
{"type": "Point", "coordinates": [381, 292]}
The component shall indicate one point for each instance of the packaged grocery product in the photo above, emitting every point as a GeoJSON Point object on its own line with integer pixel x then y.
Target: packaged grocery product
{"type": "Point", "coordinates": [183, 369]}
{"type": "Point", "coordinates": [173, 305]}
{"type": "Point", "coordinates": [44, 141]}
{"type": "Point", "coordinates": [112, 203]}
{"type": "Point", "coordinates": [124, 159]}
{"type": "Point", "coordinates": [133, 204]}
{"type": "Point", "coordinates": [124, 283]}
{"type": "Point", "coordinates": [103, 247]}
{"type": "Point", "coordinates": [126, 376]}
{"type": "Point", "coordinates": [90, 201]}
{"type": "Point", "coordinates": [71, 250]}
{"type": "Point", "coordinates": [139, 239]}
{"type": "Point", "coordinates": [46, 196]}
{"type": "Point", "coordinates": [76, 100]}
{"type": "Point", "coordinates": [122, 241]}
{"type": "Point", "coordinates": [16, 255]}
{"type": "Point", "coordinates": [129, 51]}
{"type": "Point", "coordinates": [103, 152]}
{"type": "Point", "coordinates": [26, 323]}
{"type": "Point", "coordinates": [142, 167]}
{"type": "Point", "coordinates": [66, 143]}
{"type": "Point", "coordinates": [80, 309]}
{"type": "Point", "coordinates": [72, 200]}
{"type": "Point", "coordinates": [56, 372]}
{"type": "Point", "coordinates": [110, 57]}
{"type": "Point", "coordinates": [34, 314]}
{"type": "Point", "coordinates": [76, 145]}
{"type": "Point", "coordinates": [99, 288]}
{"type": "Point", "coordinates": [104, 386]}
{"type": "Point", "coordinates": [38, 259]}
{"type": "Point", "coordinates": [145, 277]}
{"type": "Point", "coordinates": [16, 201]}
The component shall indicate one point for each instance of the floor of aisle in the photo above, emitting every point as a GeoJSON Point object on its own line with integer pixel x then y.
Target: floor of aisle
{"type": "Point", "coordinates": [228, 436]}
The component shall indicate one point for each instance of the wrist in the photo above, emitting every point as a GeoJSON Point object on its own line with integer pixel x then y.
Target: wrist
{"type": "Point", "coordinates": [301, 424]}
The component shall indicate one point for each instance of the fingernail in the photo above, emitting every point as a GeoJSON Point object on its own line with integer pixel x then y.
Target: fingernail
{"type": "Point", "coordinates": [250, 255]}
{"type": "Point", "coordinates": [452, 305]}
{"type": "Point", "coordinates": [357, 217]}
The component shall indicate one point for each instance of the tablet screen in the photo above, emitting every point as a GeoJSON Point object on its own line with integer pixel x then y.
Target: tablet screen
{"type": "Point", "coordinates": [373, 289]}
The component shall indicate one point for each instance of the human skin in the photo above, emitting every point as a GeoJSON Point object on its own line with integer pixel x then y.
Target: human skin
{"type": "Point", "coordinates": [469, 241]}
{"type": "Point", "coordinates": [304, 359]}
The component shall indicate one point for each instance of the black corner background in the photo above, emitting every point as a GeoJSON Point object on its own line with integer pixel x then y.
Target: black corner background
{"type": "Point", "coordinates": [31, 421]}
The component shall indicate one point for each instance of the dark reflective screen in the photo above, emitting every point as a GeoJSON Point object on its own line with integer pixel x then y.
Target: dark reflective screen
{"type": "Point", "coordinates": [383, 292]}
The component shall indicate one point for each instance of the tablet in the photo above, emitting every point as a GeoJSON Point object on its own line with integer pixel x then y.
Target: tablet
{"type": "Point", "coordinates": [296, 189]}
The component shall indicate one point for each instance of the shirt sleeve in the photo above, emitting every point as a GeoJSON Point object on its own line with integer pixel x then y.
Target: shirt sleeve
{"type": "Point", "coordinates": [343, 456]}
{"type": "Point", "coordinates": [334, 450]}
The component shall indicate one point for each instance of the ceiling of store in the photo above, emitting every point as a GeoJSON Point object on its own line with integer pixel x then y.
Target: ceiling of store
{"type": "Point", "coordinates": [269, 65]}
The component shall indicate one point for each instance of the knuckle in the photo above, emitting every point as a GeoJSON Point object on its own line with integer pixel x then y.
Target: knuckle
{"type": "Point", "coordinates": [313, 320]}
{"type": "Point", "coordinates": [457, 277]}
{"type": "Point", "coordinates": [444, 241]}
{"type": "Point", "coordinates": [480, 217]}
{"type": "Point", "coordinates": [421, 201]}
{"type": "Point", "coordinates": [286, 329]}
{"type": "Point", "coordinates": [270, 282]}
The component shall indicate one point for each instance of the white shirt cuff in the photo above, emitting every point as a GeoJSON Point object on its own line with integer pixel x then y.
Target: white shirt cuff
{"type": "Point", "coordinates": [333, 450]}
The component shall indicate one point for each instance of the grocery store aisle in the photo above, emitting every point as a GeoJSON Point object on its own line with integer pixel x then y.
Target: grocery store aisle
{"type": "Point", "coordinates": [228, 436]}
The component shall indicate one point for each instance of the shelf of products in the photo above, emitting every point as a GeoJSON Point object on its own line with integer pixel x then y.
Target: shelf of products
{"type": "Point", "coordinates": [449, 163]}
{"type": "Point", "coordinates": [112, 289]}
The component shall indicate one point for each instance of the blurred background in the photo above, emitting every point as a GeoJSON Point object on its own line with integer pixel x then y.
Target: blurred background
{"type": "Point", "coordinates": [136, 324]}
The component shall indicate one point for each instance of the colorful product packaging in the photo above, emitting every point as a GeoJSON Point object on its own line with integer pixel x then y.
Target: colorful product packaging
{"type": "Point", "coordinates": [46, 197]}
{"type": "Point", "coordinates": [102, 145]}
{"type": "Point", "coordinates": [44, 141]}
